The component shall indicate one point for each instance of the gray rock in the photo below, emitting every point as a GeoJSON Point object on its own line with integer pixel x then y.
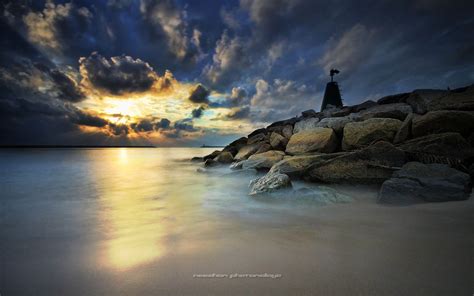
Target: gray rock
{"type": "Point", "coordinates": [305, 124]}
{"type": "Point", "coordinates": [263, 160]}
{"type": "Point", "coordinates": [365, 105]}
{"type": "Point", "coordinates": [309, 113]}
{"type": "Point", "coordinates": [212, 155]}
{"type": "Point", "coordinates": [364, 133]}
{"type": "Point", "coordinates": [417, 182]}
{"type": "Point", "coordinates": [237, 165]}
{"type": "Point", "coordinates": [314, 140]}
{"type": "Point", "coordinates": [248, 150]}
{"type": "Point", "coordinates": [269, 183]}
{"type": "Point", "coordinates": [235, 146]}
{"type": "Point", "coordinates": [287, 131]}
{"type": "Point", "coordinates": [224, 157]}
{"type": "Point", "coordinates": [421, 99]}
{"type": "Point", "coordinates": [256, 138]}
{"type": "Point", "coordinates": [397, 111]}
{"type": "Point", "coordinates": [435, 122]}
{"type": "Point", "coordinates": [197, 159]}
{"type": "Point", "coordinates": [337, 123]}
{"type": "Point", "coordinates": [322, 195]}
{"type": "Point", "coordinates": [210, 163]}
{"type": "Point", "coordinates": [453, 101]}
{"type": "Point", "coordinates": [436, 146]}
{"type": "Point", "coordinates": [264, 148]}
{"type": "Point", "coordinates": [398, 98]}
{"type": "Point", "coordinates": [257, 131]}
{"type": "Point", "coordinates": [277, 141]}
{"type": "Point", "coordinates": [404, 132]}
{"type": "Point", "coordinates": [295, 166]}
{"type": "Point", "coordinates": [373, 164]}
{"type": "Point", "coordinates": [243, 172]}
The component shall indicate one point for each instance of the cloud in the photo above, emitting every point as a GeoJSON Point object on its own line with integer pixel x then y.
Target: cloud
{"type": "Point", "coordinates": [229, 59]}
{"type": "Point", "coordinates": [349, 51]}
{"type": "Point", "coordinates": [239, 113]}
{"type": "Point", "coordinates": [117, 75]}
{"type": "Point", "coordinates": [84, 118]}
{"type": "Point", "coordinates": [166, 16]}
{"type": "Point", "coordinates": [198, 112]}
{"type": "Point", "coordinates": [199, 94]}
{"type": "Point", "coordinates": [51, 28]}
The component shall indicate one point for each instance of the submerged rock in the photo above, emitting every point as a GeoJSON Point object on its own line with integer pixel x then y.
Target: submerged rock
{"type": "Point", "coordinates": [269, 183]}
{"type": "Point", "coordinates": [373, 164]}
{"type": "Point", "coordinates": [315, 140]}
{"type": "Point", "coordinates": [364, 133]}
{"type": "Point", "coordinates": [321, 195]}
{"type": "Point", "coordinates": [416, 182]}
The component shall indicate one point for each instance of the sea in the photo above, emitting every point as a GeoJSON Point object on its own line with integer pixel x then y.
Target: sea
{"type": "Point", "coordinates": [148, 221]}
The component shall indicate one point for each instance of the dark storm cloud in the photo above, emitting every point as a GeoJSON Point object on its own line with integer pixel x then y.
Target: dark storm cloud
{"type": "Point", "coordinates": [199, 94]}
{"type": "Point", "coordinates": [149, 125]}
{"type": "Point", "coordinates": [117, 75]}
{"type": "Point", "coordinates": [83, 118]}
{"type": "Point", "coordinates": [68, 88]}
{"type": "Point", "coordinates": [198, 112]}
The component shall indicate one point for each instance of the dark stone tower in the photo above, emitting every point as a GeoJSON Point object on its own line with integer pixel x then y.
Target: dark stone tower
{"type": "Point", "coordinates": [332, 95]}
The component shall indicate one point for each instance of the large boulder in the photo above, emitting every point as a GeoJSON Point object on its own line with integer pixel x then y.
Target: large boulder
{"type": "Point", "coordinates": [362, 106]}
{"type": "Point", "coordinates": [445, 148]}
{"type": "Point", "coordinates": [404, 132]}
{"type": "Point", "coordinates": [295, 166]}
{"type": "Point", "coordinates": [213, 155]}
{"type": "Point", "coordinates": [364, 133]}
{"type": "Point", "coordinates": [314, 140]}
{"type": "Point", "coordinates": [256, 138]}
{"type": "Point", "coordinates": [337, 123]}
{"type": "Point", "coordinates": [417, 182]}
{"type": "Point", "coordinates": [421, 99]}
{"type": "Point", "coordinates": [305, 124]}
{"type": "Point", "coordinates": [309, 113]}
{"type": "Point", "coordinates": [277, 141]}
{"type": "Point", "coordinates": [373, 164]}
{"type": "Point", "coordinates": [248, 150]}
{"type": "Point", "coordinates": [287, 131]}
{"type": "Point", "coordinates": [269, 183]}
{"type": "Point", "coordinates": [398, 98]}
{"type": "Point", "coordinates": [224, 157]}
{"type": "Point", "coordinates": [263, 160]}
{"type": "Point", "coordinates": [436, 122]}
{"type": "Point", "coordinates": [257, 131]}
{"type": "Point", "coordinates": [396, 111]}
{"type": "Point", "coordinates": [235, 146]}
{"type": "Point", "coordinates": [263, 148]}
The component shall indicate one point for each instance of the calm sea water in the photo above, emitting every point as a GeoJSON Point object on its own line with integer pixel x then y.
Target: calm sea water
{"type": "Point", "coordinates": [144, 222]}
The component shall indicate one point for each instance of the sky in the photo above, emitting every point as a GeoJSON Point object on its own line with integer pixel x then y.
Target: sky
{"type": "Point", "coordinates": [187, 73]}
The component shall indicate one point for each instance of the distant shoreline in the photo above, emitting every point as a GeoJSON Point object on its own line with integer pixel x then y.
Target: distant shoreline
{"type": "Point", "coordinates": [70, 146]}
{"type": "Point", "coordinates": [93, 146]}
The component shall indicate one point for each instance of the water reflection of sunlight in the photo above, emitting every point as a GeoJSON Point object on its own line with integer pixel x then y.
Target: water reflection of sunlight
{"type": "Point", "coordinates": [135, 232]}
